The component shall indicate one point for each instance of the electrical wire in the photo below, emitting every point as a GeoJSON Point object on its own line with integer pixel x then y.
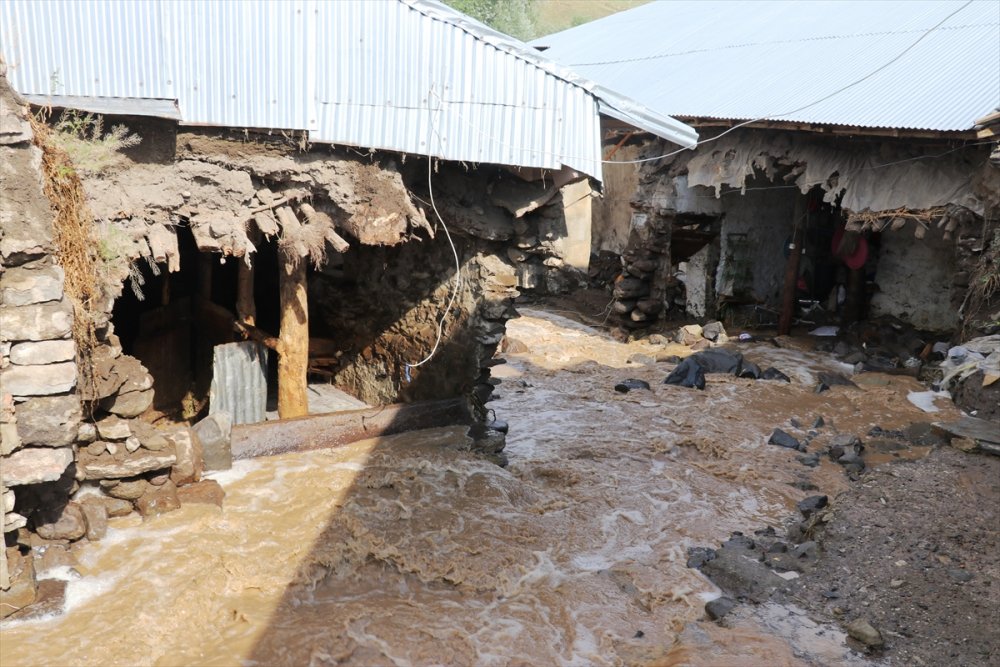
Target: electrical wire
{"type": "Point", "coordinates": [826, 97]}
{"type": "Point", "coordinates": [458, 265]}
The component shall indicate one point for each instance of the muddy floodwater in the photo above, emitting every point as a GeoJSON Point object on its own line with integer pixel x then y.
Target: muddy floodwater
{"type": "Point", "coordinates": [408, 550]}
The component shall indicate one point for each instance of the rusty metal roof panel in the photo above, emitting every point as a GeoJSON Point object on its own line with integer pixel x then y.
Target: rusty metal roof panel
{"type": "Point", "coordinates": [405, 75]}
{"type": "Point", "coordinates": [790, 60]}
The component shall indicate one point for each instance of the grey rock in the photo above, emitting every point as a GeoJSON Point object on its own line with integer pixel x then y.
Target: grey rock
{"type": "Point", "coordinates": [782, 439]}
{"type": "Point", "coordinates": [713, 330]}
{"type": "Point", "coordinates": [42, 352]}
{"type": "Point", "coordinates": [959, 575]}
{"type": "Point", "coordinates": [819, 422]}
{"type": "Point", "coordinates": [34, 465]}
{"type": "Point", "coordinates": [809, 460]}
{"type": "Point", "coordinates": [719, 607]}
{"type": "Point", "coordinates": [87, 432]}
{"type": "Point", "coordinates": [864, 632]}
{"type": "Point", "coordinates": [50, 421]}
{"type": "Point", "coordinates": [39, 380]}
{"type": "Point", "coordinates": [698, 556]}
{"type": "Point", "coordinates": [10, 440]}
{"type": "Point", "coordinates": [812, 504]}
{"type": "Point", "coordinates": [740, 573]}
{"type": "Point", "coordinates": [215, 432]}
{"type": "Point", "coordinates": [106, 467]}
{"type": "Point", "coordinates": [24, 286]}
{"type": "Point", "coordinates": [46, 321]}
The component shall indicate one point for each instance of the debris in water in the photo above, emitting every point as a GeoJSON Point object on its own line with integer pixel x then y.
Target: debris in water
{"type": "Point", "coordinates": [626, 386]}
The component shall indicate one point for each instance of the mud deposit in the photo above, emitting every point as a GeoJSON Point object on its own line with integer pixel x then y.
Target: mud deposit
{"type": "Point", "coordinates": [409, 550]}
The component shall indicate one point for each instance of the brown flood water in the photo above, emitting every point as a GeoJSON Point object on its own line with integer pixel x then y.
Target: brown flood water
{"type": "Point", "coordinates": [408, 550]}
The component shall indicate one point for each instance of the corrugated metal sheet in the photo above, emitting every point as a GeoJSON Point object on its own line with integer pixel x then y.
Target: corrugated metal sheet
{"type": "Point", "coordinates": [404, 75]}
{"type": "Point", "coordinates": [746, 60]}
{"type": "Point", "coordinates": [239, 381]}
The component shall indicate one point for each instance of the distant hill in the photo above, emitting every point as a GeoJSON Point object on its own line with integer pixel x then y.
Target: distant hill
{"type": "Point", "coordinates": [556, 15]}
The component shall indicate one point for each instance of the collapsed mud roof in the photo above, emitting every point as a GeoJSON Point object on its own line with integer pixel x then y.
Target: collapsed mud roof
{"type": "Point", "coordinates": [410, 76]}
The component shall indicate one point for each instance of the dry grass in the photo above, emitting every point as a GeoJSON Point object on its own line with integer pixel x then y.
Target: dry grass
{"type": "Point", "coordinates": [76, 243]}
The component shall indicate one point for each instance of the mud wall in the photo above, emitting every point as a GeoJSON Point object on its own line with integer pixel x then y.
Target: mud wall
{"type": "Point", "coordinates": [754, 231]}
{"type": "Point", "coordinates": [613, 211]}
{"type": "Point", "coordinates": [915, 280]}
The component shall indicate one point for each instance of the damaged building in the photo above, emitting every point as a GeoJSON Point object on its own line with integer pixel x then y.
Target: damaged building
{"type": "Point", "coordinates": [839, 177]}
{"type": "Point", "coordinates": [236, 213]}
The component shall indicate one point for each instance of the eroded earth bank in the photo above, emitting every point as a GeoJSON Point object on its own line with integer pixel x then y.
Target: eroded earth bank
{"type": "Point", "coordinates": [411, 550]}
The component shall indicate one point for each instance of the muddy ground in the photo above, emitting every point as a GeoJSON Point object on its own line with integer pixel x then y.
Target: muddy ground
{"type": "Point", "coordinates": [413, 550]}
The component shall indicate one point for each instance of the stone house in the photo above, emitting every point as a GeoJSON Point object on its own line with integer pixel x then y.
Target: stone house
{"type": "Point", "coordinates": [855, 133]}
{"type": "Point", "coordinates": [189, 231]}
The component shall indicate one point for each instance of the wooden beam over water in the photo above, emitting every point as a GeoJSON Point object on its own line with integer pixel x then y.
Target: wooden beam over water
{"type": "Point", "coordinates": [342, 428]}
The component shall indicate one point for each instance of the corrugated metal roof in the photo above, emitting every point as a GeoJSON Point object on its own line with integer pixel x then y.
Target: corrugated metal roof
{"type": "Point", "coordinates": [748, 60]}
{"type": "Point", "coordinates": [405, 75]}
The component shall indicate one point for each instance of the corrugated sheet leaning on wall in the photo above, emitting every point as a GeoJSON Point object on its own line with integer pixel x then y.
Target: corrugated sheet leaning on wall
{"type": "Point", "coordinates": [405, 75]}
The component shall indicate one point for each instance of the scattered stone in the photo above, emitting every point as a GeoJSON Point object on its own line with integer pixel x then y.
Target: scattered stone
{"type": "Point", "coordinates": [863, 631]}
{"type": "Point", "coordinates": [658, 339]}
{"type": "Point", "coordinates": [895, 583]}
{"type": "Point", "coordinates": [773, 373]}
{"type": "Point", "coordinates": [959, 575]}
{"type": "Point", "coordinates": [158, 500]}
{"type": "Point", "coordinates": [34, 465]}
{"type": "Point", "coordinates": [967, 445]}
{"type": "Point", "coordinates": [713, 331]}
{"type": "Point", "coordinates": [641, 359]}
{"type": "Point", "coordinates": [205, 492]}
{"type": "Point", "coordinates": [698, 556]}
{"type": "Point", "coordinates": [95, 515]}
{"type": "Point", "coordinates": [688, 334]}
{"type": "Point", "coordinates": [808, 460]}
{"type": "Point", "coordinates": [214, 432]}
{"type": "Point", "coordinates": [795, 423]}
{"type": "Point", "coordinates": [625, 386]}
{"type": "Point", "coordinates": [806, 550]}
{"type": "Point", "coordinates": [812, 504]}
{"type": "Point", "coordinates": [819, 423]}
{"type": "Point", "coordinates": [719, 607]}
{"type": "Point", "coordinates": [827, 380]}
{"type": "Point", "coordinates": [740, 573]}
{"type": "Point", "coordinates": [688, 373]}
{"type": "Point", "coordinates": [68, 524]}
{"type": "Point", "coordinates": [782, 439]}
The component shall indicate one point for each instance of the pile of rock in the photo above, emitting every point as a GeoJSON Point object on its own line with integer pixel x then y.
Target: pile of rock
{"type": "Point", "coordinates": [700, 337]}
{"type": "Point", "coordinates": [639, 290]}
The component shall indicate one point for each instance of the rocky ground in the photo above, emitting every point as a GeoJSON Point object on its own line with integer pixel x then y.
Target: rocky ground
{"type": "Point", "coordinates": [913, 549]}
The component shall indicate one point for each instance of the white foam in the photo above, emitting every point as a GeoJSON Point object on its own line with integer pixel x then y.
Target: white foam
{"type": "Point", "coordinates": [239, 470]}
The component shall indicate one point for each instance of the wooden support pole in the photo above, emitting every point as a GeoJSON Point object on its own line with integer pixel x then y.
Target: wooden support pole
{"type": "Point", "coordinates": [293, 355]}
{"type": "Point", "coordinates": [246, 307]}
{"type": "Point", "coordinates": [792, 270]}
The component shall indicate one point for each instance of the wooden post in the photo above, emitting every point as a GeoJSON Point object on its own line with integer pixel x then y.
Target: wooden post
{"type": "Point", "coordinates": [792, 270]}
{"type": "Point", "coordinates": [246, 308]}
{"type": "Point", "coordinates": [293, 356]}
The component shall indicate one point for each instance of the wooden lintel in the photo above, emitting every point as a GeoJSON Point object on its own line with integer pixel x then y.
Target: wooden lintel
{"type": "Point", "coordinates": [341, 428]}
{"type": "Point", "coordinates": [253, 333]}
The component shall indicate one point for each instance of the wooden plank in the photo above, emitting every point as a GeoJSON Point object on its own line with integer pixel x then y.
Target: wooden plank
{"type": "Point", "coordinates": [342, 428]}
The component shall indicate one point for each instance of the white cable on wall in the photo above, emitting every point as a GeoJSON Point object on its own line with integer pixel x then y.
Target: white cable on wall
{"type": "Point", "coordinates": [458, 265]}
